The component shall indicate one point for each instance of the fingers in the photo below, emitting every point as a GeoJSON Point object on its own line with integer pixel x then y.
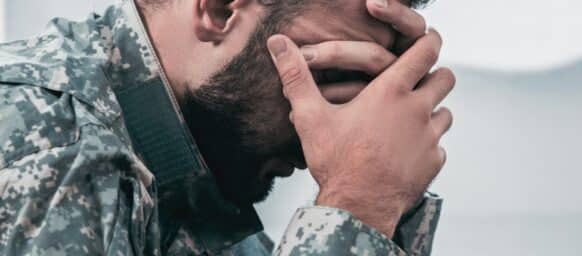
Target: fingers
{"type": "Point", "coordinates": [341, 93]}
{"type": "Point", "coordinates": [298, 84]}
{"type": "Point", "coordinates": [442, 120]}
{"type": "Point", "coordinates": [404, 19]}
{"type": "Point", "coordinates": [413, 65]}
{"type": "Point", "coordinates": [349, 55]}
{"type": "Point", "coordinates": [401, 44]}
{"type": "Point", "coordinates": [436, 86]}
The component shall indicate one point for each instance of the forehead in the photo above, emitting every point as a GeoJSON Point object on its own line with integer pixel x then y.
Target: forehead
{"type": "Point", "coordinates": [339, 20]}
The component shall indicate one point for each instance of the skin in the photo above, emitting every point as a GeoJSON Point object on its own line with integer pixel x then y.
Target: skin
{"type": "Point", "coordinates": [380, 173]}
{"type": "Point", "coordinates": [240, 107]}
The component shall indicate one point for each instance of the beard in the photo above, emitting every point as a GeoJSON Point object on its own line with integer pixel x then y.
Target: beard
{"type": "Point", "coordinates": [239, 119]}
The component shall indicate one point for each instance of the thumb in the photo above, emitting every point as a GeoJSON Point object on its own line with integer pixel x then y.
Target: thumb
{"type": "Point", "coordinates": [298, 84]}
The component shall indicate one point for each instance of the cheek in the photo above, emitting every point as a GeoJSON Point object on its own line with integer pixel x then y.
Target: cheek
{"type": "Point", "coordinates": [271, 126]}
{"type": "Point", "coordinates": [273, 111]}
{"type": "Point", "coordinates": [268, 119]}
{"type": "Point", "coordinates": [275, 119]}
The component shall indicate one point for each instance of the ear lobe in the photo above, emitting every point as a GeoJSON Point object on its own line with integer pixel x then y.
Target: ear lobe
{"type": "Point", "coordinates": [213, 19]}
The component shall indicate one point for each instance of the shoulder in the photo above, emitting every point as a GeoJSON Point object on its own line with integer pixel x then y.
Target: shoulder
{"type": "Point", "coordinates": [65, 174]}
{"type": "Point", "coordinates": [86, 193]}
{"type": "Point", "coordinates": [41, 127]}
{"type": "Point", "coordinates": [68, 58]}
{"type": "Point", "coordinates": [34, 119]}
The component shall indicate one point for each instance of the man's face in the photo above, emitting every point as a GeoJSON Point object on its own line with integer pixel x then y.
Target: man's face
{"type": "Point", "coordinates": [240, 118]}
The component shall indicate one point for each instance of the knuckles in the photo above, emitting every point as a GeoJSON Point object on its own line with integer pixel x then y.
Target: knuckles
{"type": "Point", "coordinates": [303, 116]}
{"type": "Point", "coordinates": [449, 116]}
{"type": "Point", "coordinates": [293, 78]}
{"type": "Point", "coordinates": [397, 89]}
{"type": "Point", "coordinates": [434, 138]}
{"type": "Point", "coordinates": [379, 60]}
{"type": "Point", "coordinates": [309, 117]}
{"type": "Point", "coordinates": [437, 161]}
{"type": "Point", "coordinates": [424, 111]}
{"type": "Point", "coordinates": [443, 156]}
{"type": "Point", "coordinates": [333, 51]}
{"type": "Point", "coordinates": [429, 56]}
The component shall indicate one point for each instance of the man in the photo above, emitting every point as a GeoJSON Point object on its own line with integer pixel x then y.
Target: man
{"type": "Point", "coordinates": [153, 129]}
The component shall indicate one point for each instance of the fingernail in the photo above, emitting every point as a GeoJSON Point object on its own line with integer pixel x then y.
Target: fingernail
{"type": "Point", "coordinates": [277, 46]}
{"type": "Point", "coordinates": [308, 53]}
{"type": "Point", "coordinates": [381, 3]}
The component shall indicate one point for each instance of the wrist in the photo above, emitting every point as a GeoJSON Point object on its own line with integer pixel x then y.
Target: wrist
{"type": "Point", "coordinates": [382, 215]}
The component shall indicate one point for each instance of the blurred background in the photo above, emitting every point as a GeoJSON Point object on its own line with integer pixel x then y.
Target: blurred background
{"type": "Point", "coordinates": [514, 168]}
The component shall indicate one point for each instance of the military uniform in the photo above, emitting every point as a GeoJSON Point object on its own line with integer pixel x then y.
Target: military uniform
{"type": "Point", "coordinates": [96, 159]}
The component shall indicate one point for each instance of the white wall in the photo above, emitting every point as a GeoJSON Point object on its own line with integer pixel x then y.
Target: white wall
{"type": "Point", "coordinates": [515, 34]}
{"type": "Point", "coordinates": [2, 21]}
{"type": "Point", "coordinates": [513, 149]}
{"type": "Point", "coordinates": [25, 18]}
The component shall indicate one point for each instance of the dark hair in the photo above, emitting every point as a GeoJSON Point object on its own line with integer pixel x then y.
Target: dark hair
{"type": "Point", "coordinates": [417, 4]}
{"type": "Point", "coordinates": [285, 9]}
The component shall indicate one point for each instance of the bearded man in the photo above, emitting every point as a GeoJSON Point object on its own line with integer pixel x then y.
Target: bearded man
{"type": "Point", "coordinates": [152, 130]}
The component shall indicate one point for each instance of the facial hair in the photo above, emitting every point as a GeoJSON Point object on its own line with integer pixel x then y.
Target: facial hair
{"type": "Point", "coordinates": [239, 119]}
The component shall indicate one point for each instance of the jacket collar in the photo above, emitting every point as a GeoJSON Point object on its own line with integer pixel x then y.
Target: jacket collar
{"type": "Point", "coordinates": [161, 137]}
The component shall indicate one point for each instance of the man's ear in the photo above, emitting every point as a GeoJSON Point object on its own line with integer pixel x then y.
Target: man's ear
{"type": "Point", "coordinates": [213, 19]}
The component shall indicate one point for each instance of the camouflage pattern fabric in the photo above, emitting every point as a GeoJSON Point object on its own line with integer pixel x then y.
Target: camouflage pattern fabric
{"type": "Point", "coordinates": [95, 159]}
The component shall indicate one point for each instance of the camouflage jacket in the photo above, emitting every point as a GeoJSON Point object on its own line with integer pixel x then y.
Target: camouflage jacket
{"type": "Point", "coordinates": [95, 159]}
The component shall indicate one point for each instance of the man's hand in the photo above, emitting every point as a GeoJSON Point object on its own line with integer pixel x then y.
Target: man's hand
{"type": "Point", "coordinates": [376, 155]}
{"type": "Point", "coordinates": [368, 57]}
{"type": "Point", "coordinates": [409, 23]}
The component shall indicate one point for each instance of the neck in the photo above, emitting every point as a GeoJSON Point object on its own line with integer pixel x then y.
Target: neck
{"type": "Point", "coordinates": [187, 61]}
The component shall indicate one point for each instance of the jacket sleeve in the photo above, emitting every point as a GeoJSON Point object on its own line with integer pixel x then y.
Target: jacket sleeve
{"type": "Point", "coordinates": [59, 202]}
{"type": "Point", "coordinates": [328, 231]}
{"type": "Point", "coordinates": [67, 186]}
